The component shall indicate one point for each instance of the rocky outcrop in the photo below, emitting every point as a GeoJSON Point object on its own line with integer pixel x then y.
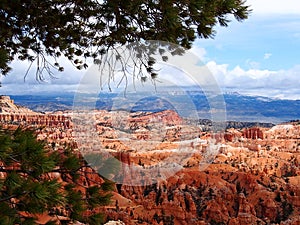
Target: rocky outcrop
{"type": "Point", "coordinates": [11, 114]}
{"type": "Point", "coordinates": [114, 223]}
{"type": "Point", "coordinates": [21, 119]}
{"type": "Point", "coordinates": [253, 133]}
{"type": "Point", "coordinates": [8, 107]}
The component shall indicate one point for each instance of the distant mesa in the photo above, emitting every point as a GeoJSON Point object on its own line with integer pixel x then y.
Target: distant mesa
{"type": "Point", "coordinates": [152, 104]}
{"type": "Point", "coordinates": [12, 114]}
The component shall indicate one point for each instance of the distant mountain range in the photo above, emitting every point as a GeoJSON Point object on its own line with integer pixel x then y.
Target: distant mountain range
{"type": "Point", "coordinates": [238, 107]}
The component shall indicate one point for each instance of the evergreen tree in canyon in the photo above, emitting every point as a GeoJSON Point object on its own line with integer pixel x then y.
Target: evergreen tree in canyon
{"type": "Point", "coordinates": [36, 181]}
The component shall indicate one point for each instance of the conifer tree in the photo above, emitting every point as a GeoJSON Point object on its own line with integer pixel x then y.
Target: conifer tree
{"type": "Point", "coordinates": [28, 188]}
{"type": "Point", "coordinates": [33, 30]}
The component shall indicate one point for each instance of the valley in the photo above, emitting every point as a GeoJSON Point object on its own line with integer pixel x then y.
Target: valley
{"type": "Point", "coordinates": [168, 170]}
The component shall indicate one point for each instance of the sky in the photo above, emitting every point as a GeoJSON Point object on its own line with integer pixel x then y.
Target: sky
{"type": "Point", "coordinates": [259, 56]}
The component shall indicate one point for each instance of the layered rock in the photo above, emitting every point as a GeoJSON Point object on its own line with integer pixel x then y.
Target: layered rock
{"type": "Point", "coordinates": [8, 107]}
{"type": "Point", "coordinates": [253, 133]}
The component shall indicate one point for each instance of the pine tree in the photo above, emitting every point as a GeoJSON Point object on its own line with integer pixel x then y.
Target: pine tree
{"type": "Point", "coordinates": [28, 188]}
{"type": "Point", "coordinates": [33, 30]}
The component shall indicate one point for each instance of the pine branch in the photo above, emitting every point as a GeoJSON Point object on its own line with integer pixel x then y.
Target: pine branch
{"type": "Point", "coordinates": [12, 196]}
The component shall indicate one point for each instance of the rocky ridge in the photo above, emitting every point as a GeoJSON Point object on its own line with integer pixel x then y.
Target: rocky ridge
{"type": "Point", "coordinates": [7, 106]}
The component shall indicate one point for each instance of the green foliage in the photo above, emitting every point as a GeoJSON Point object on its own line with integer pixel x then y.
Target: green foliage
{"type": "Point", "coordinates": [95, 199]}
{"type": "Point", "coordinates": [107, 186]}
{"type": "Point", "coordinates": [75, 202]}
{"type": "Point", "coordinates": [106, 166]}
{"type": "Point", "coordinates": [96, 219]}
{"type": "Point", "coordinates": [26, 185]}
{"type": "Point", "coordinates": [32, 30]}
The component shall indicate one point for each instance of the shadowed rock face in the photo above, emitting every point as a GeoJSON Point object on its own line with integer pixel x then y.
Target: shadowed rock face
{"type": "Point", "coordinates": [254, 179]}
{"type": "Point", "coordinates": [253, 133]}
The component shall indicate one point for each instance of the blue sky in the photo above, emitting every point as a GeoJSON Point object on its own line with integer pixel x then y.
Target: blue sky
{"type": "Point", "coordinates": [259, 56]}
{"type": "Point", "coordinates": [261, 42]}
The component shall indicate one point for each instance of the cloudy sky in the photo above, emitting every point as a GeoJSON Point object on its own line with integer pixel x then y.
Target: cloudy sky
{"type": "Point", "coordinates": [259, 56]}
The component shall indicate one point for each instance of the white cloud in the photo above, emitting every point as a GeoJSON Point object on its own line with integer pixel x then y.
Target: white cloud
{"type": "Point", "coordinates": [267, 55]}
{"type": "Point", "coordinates": [198, 51]}
{"type": "Point", "coordinates": [254, 81]}
{"type": "Point", "coordinates": [276, 84]}
{"type": "Point", "coordinates": [16, 82]}
{"type": "Point", "coordinates": [274, 6]}
{"type": "Point", "coordinates": [252, 64]}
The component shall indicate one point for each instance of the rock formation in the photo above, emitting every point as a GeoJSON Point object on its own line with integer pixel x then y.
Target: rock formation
{"type": "Point", "coordinates": [253, 179]}
{"type": "Point", "coordinates": [8, 107]}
